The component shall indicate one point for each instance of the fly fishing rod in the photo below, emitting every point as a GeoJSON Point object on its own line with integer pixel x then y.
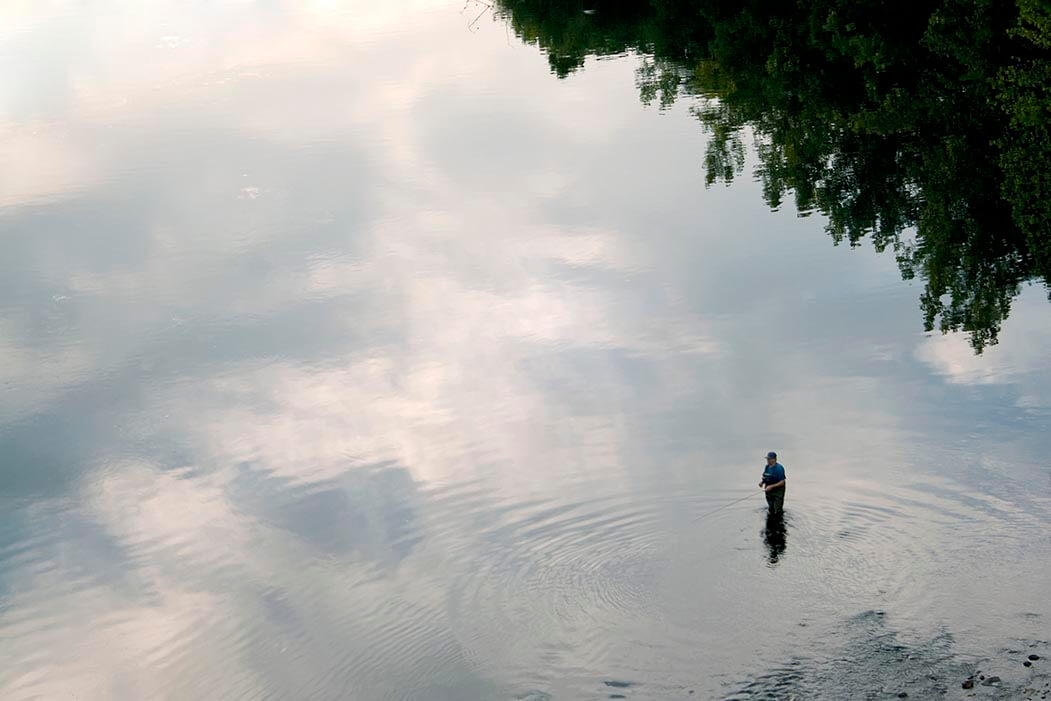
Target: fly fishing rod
{"type": "Point", "coordinates": [724, 506]}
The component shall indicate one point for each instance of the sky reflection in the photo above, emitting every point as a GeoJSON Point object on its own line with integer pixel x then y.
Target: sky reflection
{"type": "Point", "coordinates": [323, 326]}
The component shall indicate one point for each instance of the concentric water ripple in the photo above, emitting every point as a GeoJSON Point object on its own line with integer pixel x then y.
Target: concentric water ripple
{"type": "Point", "coordinates": [887, 548]}
{"type": "Point", "coordinates": [548, 591]}
{"type": "Point", "coordinates": [470, 592]}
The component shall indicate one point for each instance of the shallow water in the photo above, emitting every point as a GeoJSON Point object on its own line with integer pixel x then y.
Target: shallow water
{"type": "Point", "coordinates": [346, 353]}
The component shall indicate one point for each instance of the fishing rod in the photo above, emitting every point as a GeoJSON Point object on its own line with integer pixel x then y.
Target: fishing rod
{"type": "Point", "coordinates": [724, 506]}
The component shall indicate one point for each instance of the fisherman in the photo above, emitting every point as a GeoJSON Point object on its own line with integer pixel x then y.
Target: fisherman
{"type": "Point", "coordinates": [773, 483]}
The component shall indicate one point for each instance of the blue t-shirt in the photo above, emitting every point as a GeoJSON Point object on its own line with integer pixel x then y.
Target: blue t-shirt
{"type": "Point", "coordinates": [773, 473]}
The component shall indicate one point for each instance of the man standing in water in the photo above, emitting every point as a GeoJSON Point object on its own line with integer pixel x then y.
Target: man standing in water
{"type": "Point", "coordinates": [773, 483]}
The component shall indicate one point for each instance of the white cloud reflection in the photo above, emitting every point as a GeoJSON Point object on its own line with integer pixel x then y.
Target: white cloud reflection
{"type": "Point", "coordinates": [378, 300]}
{"type": "Point", "coordinates": [450, 300]}
{"type": "Point", "coordinates": [1020, 359]}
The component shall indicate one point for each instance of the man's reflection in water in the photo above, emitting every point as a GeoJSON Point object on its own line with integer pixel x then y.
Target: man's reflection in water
{"type": "Point", "coordinates": [775, 537]}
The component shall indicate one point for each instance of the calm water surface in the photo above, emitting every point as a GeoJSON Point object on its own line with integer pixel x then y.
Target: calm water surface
{"type": "Point", "coordinates": [347, 354]}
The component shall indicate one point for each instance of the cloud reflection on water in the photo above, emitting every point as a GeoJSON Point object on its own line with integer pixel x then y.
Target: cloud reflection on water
{"type": "Point", "coordinates": [291, 351]}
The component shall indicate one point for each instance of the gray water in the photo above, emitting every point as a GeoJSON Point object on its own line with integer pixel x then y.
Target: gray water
{"type": "Point", "coordinates": [346, 354]}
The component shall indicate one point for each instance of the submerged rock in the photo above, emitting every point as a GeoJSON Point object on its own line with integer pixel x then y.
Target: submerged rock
{"type": "Point", "coordinates": [1034, 658]}
{"type": "Point", "coordinates": [534, 696]}
{"type": "Point", "coordinates": [991, 680]}
{"type": "Point", "coordinates": [1027, 663]}
{"type": "Point", "coordinates": [968, 684]}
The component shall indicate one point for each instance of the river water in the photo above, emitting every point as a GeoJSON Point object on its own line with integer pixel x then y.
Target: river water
{"type": "Point", "coordinates": [346, 353]}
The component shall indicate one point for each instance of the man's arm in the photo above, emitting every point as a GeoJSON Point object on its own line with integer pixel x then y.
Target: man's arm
{"type": "Point", "coordinates": [775, 485]}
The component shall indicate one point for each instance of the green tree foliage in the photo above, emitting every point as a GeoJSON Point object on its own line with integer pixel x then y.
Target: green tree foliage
{"type": "Point", "coordinates": [921, 125]}
{"type": "Point", "coordinates": [1024, 92]}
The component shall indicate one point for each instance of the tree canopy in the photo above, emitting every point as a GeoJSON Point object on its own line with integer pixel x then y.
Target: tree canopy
{"type": "Point", "coordinates": [921, 125]}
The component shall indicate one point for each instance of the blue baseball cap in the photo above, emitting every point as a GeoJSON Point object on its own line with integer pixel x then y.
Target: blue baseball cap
{"type": "Point", "coordinates": [772, 454]}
